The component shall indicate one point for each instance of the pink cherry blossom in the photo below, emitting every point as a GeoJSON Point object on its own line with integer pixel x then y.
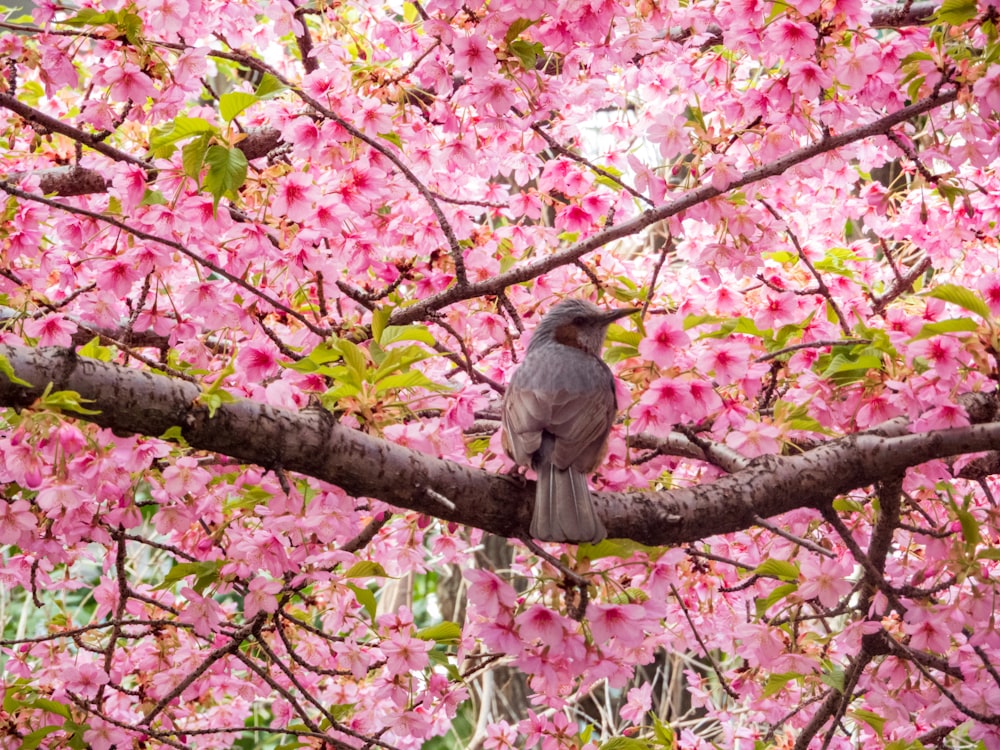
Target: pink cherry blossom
{"type": "Point", "coordinates": [987, 91]}
{"type": "Point", "coordinates": [726, 359]}
{"type": "Point", "coordinates": [291, 259]}
{"type": "Point", "coordinates": [16, 519]}
{"type": "Point", "coordinates": [295, 197]}
{"type": "Point", "coordinates": [989, 286]}
{"type": "Point", "coordinates": [203, 613]}
{"type": "Point", "coordinates": [489, 593]}
{"type": "Point", "coordinates": [928, 629]}
{"type": "Point", "coordinates": [101, 735]}
{"type": "Point", "coordinates": [405, 653]}
{"type": "Point", "coordinates": [663, 339]}
{"type": "Point", "coordinates": [541, 623]}
{"type": "Point", "coordinates": [639, 702]}
{"type": "Point", "coordinates": [473, 55]}
{"type": "Point", "coordinates": [826, 580]}
{"type": "Point", "coordinates": [84, 678]}
{"type": "Point", "coordinates": [261, 597]}
{"type": "Point", "coordinates": [128, 83]}
{"type": "Point", "coordinates": [797, 38]}
{"type": "Point", "coordinates": [619, 621]}
{"type": "Point", "coordinates": [52, 330]}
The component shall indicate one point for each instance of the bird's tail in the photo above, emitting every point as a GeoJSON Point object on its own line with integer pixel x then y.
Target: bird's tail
{"type": "Point", "coordinates": [563, 509]}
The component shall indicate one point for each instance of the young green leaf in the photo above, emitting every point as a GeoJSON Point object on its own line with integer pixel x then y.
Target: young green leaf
{"type": "Point", "coordinates": [233, 103]}
{"type": "Point", "coordinates": [8, 370]}
{"type": "Point", "coordinates": [227, 171]}
{"type": "Point", "coordinates": [963, 297]}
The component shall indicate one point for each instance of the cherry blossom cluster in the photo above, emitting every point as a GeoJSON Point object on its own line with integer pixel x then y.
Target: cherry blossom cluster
{"type": "Point", "coordinates": [363, 209]}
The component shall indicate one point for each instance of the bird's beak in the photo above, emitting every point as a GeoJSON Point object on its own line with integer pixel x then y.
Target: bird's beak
{"type": "Point", "coordinates": [612, 315]}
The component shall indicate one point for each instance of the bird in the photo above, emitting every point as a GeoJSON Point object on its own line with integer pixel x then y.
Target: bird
{"type": "Point", "coordinates": [557, 413]}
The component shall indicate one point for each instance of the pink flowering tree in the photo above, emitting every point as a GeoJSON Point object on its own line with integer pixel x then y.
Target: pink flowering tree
{"type": "Point", "coordinates": [265, 268]}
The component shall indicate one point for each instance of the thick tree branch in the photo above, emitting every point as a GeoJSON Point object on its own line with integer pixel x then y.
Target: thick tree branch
{"type": "Point", "coordinates": [77, 180]}
{"type": "Point", "coordinates": [312, 442]}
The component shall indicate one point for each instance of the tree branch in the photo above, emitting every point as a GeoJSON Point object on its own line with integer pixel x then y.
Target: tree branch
{"type": "Point", "coordinates": [545, 263]}
{"type": "Point", "coordinates": [311, 442]}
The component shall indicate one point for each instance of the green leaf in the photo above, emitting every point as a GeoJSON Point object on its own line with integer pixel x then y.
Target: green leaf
{"type": "Point", "coordinates": [443, 632]}
{"type": "Point", "coordinates": [33, 739]}
{"type": "Point", "coordinates": [53, 707]}
{"type": "Point", "coordinates": [332, 396]}
{"type": "Point", "coordinates": [380, 319]}
{"type": "Point", "coordinates": [393, 138]}
{"type": "Point", "coordinates": [693, 321]}
{"type": "Point", "coordinates": [956, 12]}
{"type": "Point", "coordinates": [354, 359]}
{"type": "Point", "coordinates": [845, 368]}
{"type": "Point", "coordinates": [955, 325]}
{"type": "Point", "coordinates": [366, 569]}
{"type": "Point", "coordinates": [11, 688]}
{"type": "Point", "coordinates": [342, 711]}
{"type": "Point", "coordinates": [91, 17]}
{"type": "Point", "coordinates": [621, 335]}
{"type": "Point", "coordinates": [747, 326]}
{"type": "Point", "coordinates": [227, 171]}
{"type": "Point", "coordinates": [269, 86]}
{"type": "Point", "coordinates": [65, 401]}
{"type": "Point", "coordinates": [834, 677]}
{"type": "Point", "coordinates": [517, 28]}
{"type": "Point", "coordinates": [993, 553]}
{"type": "Point", "coordinates": [847, 505]}
{"type": "Point", "coordinates": [626, 743]}
{"type": "Point", "coordinates": [408, 379]}
{"type": "Point", "coordinates": [621, 548]}
{"type": "Point", "coordinates": [609, 183]}
{"type": "Point", "coordinates": [970, 527]}
{"type": "Point", "coordinates": [204, 574]}
{"type": "Point", "coordinates": [782, 256]}
{"type": "Point", "coordinates": [392, 334]}
{"type": "Point", "coordinates": [8, 369]}
{"type": "Point", "coordinates": [248, 498]}
{"type": "Point", "coordinates": [177, 130]}
{"type": "Point", "coordinates": [93, 350]}
{"type": "Point", "coordinates": [776, 682]}
{"type": "Point", "coordinates": [615, 354]}
{"type": "Point", "coordinates": [870, 718]}
{"type": "Point", "coordinates": [365, 598]}
{"type": "Point", "coordinates": [526, 52]}
{"type": "Point", "coordinates": [964, 298]}
{"type": "Point", "coordinates": [322, 354]}
{"type": "Point", "coordinates": [780, 569]}
{"type": "Point", "coordinates": [193, 155]}
{"type": "Point", "coordinates": [176, 435]}
{"type": "Point", "coordinates": [631, 595]}
{"type": "Point", "coordinates": [213, 399]}
{"type": "Point", "coordinates": [130, 25]}
{"type": "Point", "coordinates": [665, 734]}
{"type": "Point", "coordinates": [233, 103]}
{"type": "Point", "coordinates": [779, 593]}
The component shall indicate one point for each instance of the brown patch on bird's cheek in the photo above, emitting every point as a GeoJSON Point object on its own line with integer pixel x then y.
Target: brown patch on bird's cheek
{"type": "Point", "coordinates": [567, 335]}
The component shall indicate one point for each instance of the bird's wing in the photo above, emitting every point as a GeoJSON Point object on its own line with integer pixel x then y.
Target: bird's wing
{"type": "Point", "coordinates": [580, 424]}
{"type": "Point", "coordinates": [538, 400]}
{"type": "Point", "coordinates": [525, 415]}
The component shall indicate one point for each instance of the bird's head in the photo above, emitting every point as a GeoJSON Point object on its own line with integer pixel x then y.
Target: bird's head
{"type": "Point", "coordinates": [578, 323]}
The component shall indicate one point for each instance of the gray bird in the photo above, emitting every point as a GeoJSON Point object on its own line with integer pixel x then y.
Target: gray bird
{"type": "Point", "coordinates": [557, 415]}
